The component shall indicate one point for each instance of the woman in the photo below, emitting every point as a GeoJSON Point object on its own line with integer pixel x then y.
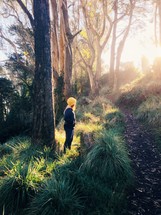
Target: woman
{"type": "Point", "coordinates": [69, 118]}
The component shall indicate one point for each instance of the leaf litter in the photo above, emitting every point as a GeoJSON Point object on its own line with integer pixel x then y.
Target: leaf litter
{"type": "Point", "coordinates": [145, 197]}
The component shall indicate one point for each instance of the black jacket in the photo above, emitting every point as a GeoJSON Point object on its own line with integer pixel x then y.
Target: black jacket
{"type": "Point", "coordinates": [69, 118]}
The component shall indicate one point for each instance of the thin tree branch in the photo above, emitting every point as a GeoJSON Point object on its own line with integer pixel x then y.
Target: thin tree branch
{"type": "Point", "coordinates": [74, 35]}
{"type": "Point", "coordinates": [9, 41]}
{"type": "Point", "coordinates": [24, 8]}
{"type": "Point", "coordinates": [15, 49]}
{"type": "Point", "coordinates": [86, 64]}
{"type": "Point", "coordinates": [107, 36]}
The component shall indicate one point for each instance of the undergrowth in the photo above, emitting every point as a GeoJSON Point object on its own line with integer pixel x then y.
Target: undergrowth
{"type": "Point", "coordinates": [143, 97]}
{"type": "Point", "coordinates": [137, 92]}
{"type": "Point", "coordinates": [34, 180]}
{"type": "Point", "coordinates": [150, 111]}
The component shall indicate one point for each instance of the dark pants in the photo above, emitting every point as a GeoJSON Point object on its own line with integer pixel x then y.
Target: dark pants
{"type": "Point", "coordinates": [69, 138]}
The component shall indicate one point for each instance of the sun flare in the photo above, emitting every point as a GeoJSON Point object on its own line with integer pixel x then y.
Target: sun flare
{"type": "Point", "coordinates": [135, 51]}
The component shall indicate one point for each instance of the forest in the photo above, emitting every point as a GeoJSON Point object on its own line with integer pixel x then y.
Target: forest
{"type": "Point", "coordinates": [107, 55]}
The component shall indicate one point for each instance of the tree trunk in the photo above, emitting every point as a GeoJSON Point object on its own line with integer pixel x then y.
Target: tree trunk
{"type": "Point", "coordinates": [155, 25]}
{"type": "Point", "coordinates": [159, 7]}
{"type": "Point", "coordinates": [93, 82]}
{"type": "Point", "coordinates": [68, 71]}
{"type": "Point", "coordinates": [98, 61]}
{"type": "Point", "coordinates": [68, 51]}
{"type": "Point", "coordinates": [1, 110]}
{"type": "Point", "coordinates": [121, 47]}
{"type": "Point", "coordinates": [43, 114]}
{"type": "Point", "coordinates": [61, 40]}
{"type": "Point", "coordinates": [54, 37]}
{"type": "Point", "coordinates": [58, 75]}
{"type": "Point", "coordinates": [113, 47]}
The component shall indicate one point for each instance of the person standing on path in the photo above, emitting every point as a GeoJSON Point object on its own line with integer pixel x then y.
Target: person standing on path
{"type": "Point", "coordinates": [69, 124]}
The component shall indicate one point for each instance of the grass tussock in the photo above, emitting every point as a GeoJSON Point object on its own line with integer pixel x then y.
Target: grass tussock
{"type": "Point", "coordinates": [88, 128]}
{"type": "Point", "coordinates": [57, 197]}
{"type": "Point", "coordinates": [20, 183]}
{"type": "Point", "coordinates": [145, 86]}
{"type": "Point", "coordinates": [23, 150]}
{"type": "Point", "coordinates": [110, 154]}
{"type": "Point", "coordinates": [114, 119]}
{"type": "Point", "coordinates": [150, 111]}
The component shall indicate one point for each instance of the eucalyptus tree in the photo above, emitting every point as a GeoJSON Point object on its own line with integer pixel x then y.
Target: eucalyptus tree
{"type": "Point", "coordinates": [97, 30]}
{"type": "Point", "coordinates": [62, 53]}
{"type": "Point", "coordinates": [43, 110]}
{"type": "Point", "coordinates": [67, 38]}
{"type": "Point", "coordinates": [157, 22]}
{"type": "Point", "coordinates": [123, 15]}
{"type": "Point", "coordinates": [157, 36]}
{"type": "Point", "coordinates": [42, 90]}
{"type": "Point", "coordinates": [17, 36]}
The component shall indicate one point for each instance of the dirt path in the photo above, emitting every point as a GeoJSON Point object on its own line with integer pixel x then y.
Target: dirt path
{"type": "Point", "coordinates": [145, 197]}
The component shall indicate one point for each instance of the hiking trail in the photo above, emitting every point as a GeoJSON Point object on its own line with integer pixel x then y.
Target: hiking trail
{"type": "Point", "coordinates": [145, 197]}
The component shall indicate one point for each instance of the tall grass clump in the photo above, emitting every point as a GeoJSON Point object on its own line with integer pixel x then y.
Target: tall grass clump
{"type": "Point", "coordinates": [95, 194]}
{"type": "Point", "coordinates": [21, 182]}
{"type": "Point", "coordinates": [24, 150]}
{"type": "Point", "coordinates": [114, 119]}
{"type": "Point", "coordinates": [105, 174]}
{"type": "Point", "coordinates": [23, 168]}
{"type": "Point", "coordinates": [150, 111]}
{"type": "Point", "coordinates": [57, 197]}
{"type": "Point", "coordinates": [6, 162]}
{"type": "Point", "coordinates": [5, 150]}
{"type": "Point", "coordinates": [138, 91]}
{"type": "Point", "coordinates": [132, 97]}
{"type": "Point", "coordinates": [108, 159]}
{"type": "Point", "coordinates": [107, 165]}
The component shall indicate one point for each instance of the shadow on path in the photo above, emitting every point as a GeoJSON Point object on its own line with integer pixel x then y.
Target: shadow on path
{"type": "Point", "coordinates": [145, 197]}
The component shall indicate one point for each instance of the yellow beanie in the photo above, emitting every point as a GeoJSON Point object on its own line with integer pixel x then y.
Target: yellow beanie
{"type": "Point", "coordinates": [71, 101]}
